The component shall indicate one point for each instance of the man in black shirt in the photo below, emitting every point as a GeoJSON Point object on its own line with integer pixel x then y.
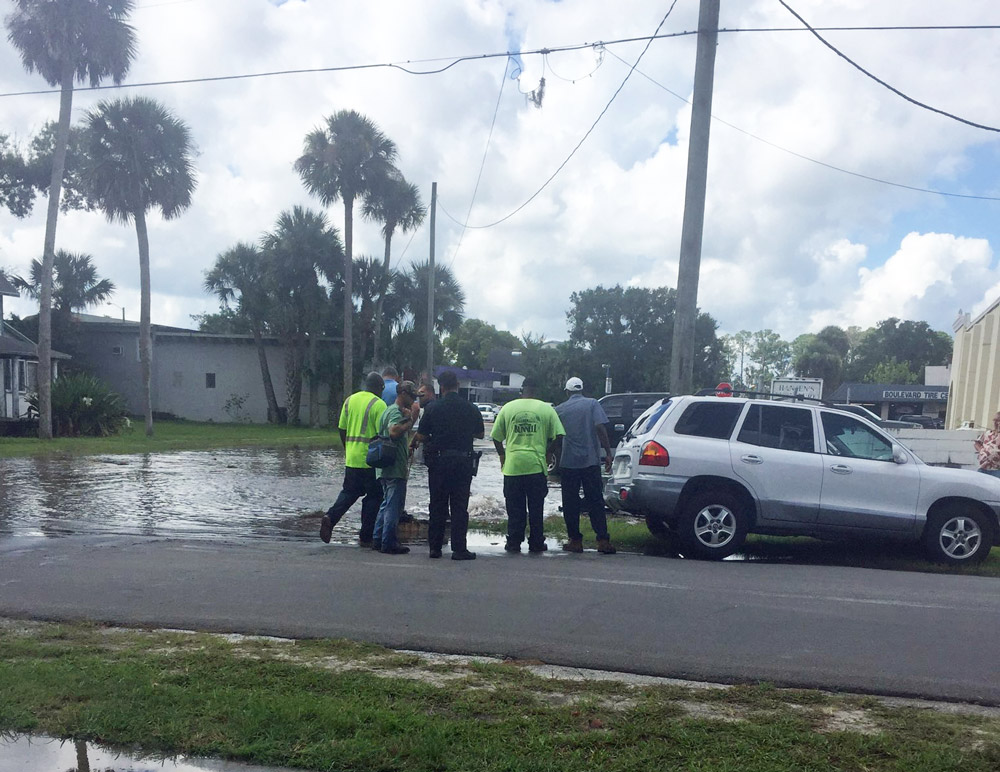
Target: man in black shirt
{"type": "Point", "coordinates": [447, 428]}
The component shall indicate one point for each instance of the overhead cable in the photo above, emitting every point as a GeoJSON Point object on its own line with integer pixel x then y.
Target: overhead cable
{"type": "Point", "coordinates": [881, 82]}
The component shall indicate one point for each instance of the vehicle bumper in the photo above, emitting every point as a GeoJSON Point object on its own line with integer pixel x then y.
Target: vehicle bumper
{"type": "Point", "coordinates": [646, 495]}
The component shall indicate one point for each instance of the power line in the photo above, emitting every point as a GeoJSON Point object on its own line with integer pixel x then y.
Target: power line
{"type": "Point", "coordinates": [807, 158]}
{"type": "Point", "coordinates": [583, 139]}
{"type": "Point", "coordinates": [482, 164]}
{"type": "Point", "coordinates": [597, 45]}
{"type": "Point", "coordinates": [881, 82]}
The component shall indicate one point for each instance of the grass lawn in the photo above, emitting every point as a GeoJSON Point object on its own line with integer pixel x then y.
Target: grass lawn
{"type": "Point", "coordinates": [175, 435]}
{"type": "Point", "coordinates": [337, 705]}
{"type": "Point", "coordinates": [631, 535]}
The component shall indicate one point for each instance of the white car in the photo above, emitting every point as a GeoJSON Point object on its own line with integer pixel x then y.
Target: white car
{"type": "Point", "coordinates": [714, 469]}
{"type": "Point", "coordinates": [487, 412]}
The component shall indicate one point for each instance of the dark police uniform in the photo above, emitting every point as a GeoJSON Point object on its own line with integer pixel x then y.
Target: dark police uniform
{"type": "Point", "coordinates": [450, 423]}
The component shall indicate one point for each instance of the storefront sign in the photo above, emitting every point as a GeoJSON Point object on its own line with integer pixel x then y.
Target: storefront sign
{"type": "Point", "coordinates": [926, 396]}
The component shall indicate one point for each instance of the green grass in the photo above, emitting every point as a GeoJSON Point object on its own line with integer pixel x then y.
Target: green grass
{"type": "Point", "coordinates": [631, 536]}
{"type": "Point", "coordinates": [335, 705]}
{"type": "Point", "coordinates": [175, 435]}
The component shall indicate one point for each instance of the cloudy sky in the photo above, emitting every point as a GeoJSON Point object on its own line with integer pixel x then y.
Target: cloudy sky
{"type": "Point", "coordinates": [790, 243]}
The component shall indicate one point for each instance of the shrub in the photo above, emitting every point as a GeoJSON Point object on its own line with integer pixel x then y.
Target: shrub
{"type": "Point", "coordinates": [84, 405]}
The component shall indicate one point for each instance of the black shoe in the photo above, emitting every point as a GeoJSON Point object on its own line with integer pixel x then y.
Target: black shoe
{"type": "Point", "coordinates": [435, 553]}
{"type": "Point", "coordinates": [397, 550]}
{"type": "Point", "coordinates": [376, 546]}
{"type": "Point", "coordinates": [510, 547]}
{"type": "Point", "coordinates": [325, 528]}
{"type": "Point", "coordinates": [464, 555]}
{"type": "Point", "coordinates": [366, 544]}
{"type": "Point", "coordinates": [539, 548]}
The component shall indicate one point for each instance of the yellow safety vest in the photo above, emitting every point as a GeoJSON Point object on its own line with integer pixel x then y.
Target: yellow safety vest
{"type": "Point", "coordinates": [360, 418]}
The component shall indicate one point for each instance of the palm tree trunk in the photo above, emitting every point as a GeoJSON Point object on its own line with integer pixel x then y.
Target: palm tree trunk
{"type": "Point", "coordinates": [145, 331]}
{"type": "Point", "coordinates": [293, 379]}
{"type": "Point", "coordinates": [49, 255]}
{"type": "Point", "coordinates": [265, 373]}
{"type": "Point", "coordinates": [348, 294]}
{"type": "Point", "coordinates": [313, 383]}
{"type": "Point", "coordinates": [376, 356]}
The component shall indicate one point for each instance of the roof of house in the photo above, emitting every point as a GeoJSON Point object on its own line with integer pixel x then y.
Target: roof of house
{"type": "Point", "coordinates": [6, 288]}
{"type": "Point", "coordinates": [875, 392]}
{"type": "Point", "coordinates": [162, 330]}
{"type": "Point", "coordinates": [15, 344]}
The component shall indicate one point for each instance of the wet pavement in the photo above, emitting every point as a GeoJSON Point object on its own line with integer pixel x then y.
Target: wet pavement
{"type": "Point", "coordinates": [239, 493]}
{"type": "Point", "coordinates": [30, 753]}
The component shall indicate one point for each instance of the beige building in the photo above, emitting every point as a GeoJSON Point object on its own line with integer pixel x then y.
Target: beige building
{"type": "Point", "coordinates": [975, 369]}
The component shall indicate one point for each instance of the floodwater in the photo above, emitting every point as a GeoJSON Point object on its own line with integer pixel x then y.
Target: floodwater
{"type": "Point", "coordinates": [27, 753]}
{"type": "Point", "coordinates": [239, 493]}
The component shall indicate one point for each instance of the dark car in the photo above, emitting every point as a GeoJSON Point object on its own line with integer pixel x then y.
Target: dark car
{"type": "Point", "coordinates": [926, 421]}
{"type": "Point", "coordinates": [880, 422]}
{"type": "Point", "coordinates": [623, 409]}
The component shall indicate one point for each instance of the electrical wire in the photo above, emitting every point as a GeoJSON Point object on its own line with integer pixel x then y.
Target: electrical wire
{"type": "Point", "coordinates": [881, 82]}
{"type": "Point", "coordinates": [807, 158]}
{"type": "Point", "coordinates": [598, 49]}
{"type": "Point", "coordinates": [583, 139]}
{"type": "Point", "coordinates": [482, 164]}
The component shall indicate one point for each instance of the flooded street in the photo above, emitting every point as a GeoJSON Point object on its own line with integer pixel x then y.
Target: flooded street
{"type": "Point", "coordinates": [238, 493]}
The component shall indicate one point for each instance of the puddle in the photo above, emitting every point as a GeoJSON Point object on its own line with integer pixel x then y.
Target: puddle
{"type": "Point", "coordinates": [24, 753]}
{"type": "Point", "coordinates": [231, 493]}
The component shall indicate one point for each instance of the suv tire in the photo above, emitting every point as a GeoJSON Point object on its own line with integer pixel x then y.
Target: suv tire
{"type": "Point", "coordinates": [657, 526]}
{"type": "Point", "coordinates": [712, 525]}
{"type": "Point", "coordinates": [958, 535]}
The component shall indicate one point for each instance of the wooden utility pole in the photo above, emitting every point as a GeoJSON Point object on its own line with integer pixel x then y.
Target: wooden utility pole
{"type": "Point", "coordinates": [689, 265]}
{"type": "Point", "coordinates": [430, 286]}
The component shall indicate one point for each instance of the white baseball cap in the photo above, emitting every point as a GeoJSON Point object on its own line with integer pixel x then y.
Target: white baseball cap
{"type": "Point", "coordinates": [574, 384]}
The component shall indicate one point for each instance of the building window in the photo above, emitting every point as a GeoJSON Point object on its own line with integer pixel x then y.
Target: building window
{"type": "Point", "coordinates": [209, 380]}
{"type": "Point", "coordinates": [22, 380]}
{"type": "Point", "coordinates": [8, 375]}
{"type": "Point", "coordinates": [117, 351]}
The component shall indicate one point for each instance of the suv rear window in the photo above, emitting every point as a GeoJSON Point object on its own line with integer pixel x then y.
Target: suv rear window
{"type": "Point", "coordinates": [648, 419]}
{"type": "Point", "coordinates": [709, 419]}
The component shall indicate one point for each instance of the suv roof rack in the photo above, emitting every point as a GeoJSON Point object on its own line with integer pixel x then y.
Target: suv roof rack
{"type": "Point", "coordinates": [759, 395]}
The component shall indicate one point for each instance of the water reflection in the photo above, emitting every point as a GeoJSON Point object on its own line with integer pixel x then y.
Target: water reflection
{"type": "Point", "coordinates": [234, 493]}
{"type": "Point", "coordinates": [19, 753]}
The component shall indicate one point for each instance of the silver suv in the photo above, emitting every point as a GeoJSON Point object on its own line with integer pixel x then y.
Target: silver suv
{"type": "Point", "coordinates": [713, 469]}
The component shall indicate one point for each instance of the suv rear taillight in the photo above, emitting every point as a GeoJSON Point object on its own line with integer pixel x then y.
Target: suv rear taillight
{"type": "Point", "coordinates": [654, 454]}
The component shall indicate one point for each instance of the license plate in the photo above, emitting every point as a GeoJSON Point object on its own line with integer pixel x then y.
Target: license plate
{"type": "Point", "coordinates": [622, 467]}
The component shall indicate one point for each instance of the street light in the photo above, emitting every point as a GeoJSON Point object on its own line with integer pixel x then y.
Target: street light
{"type": "Point", "coordinates": [607, 378]}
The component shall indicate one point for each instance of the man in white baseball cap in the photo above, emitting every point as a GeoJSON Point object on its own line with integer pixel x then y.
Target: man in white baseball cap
{"type": "Point", "coordinates": [584, 420]}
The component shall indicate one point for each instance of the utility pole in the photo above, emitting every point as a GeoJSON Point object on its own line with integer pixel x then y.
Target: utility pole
{"type": "Point", "coordinates": [430, 286]}
{"type": "Point", "coordinates": [689, 265]}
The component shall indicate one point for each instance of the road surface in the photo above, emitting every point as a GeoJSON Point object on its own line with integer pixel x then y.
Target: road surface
{"type": "Point", "coordinates": [897, 633]}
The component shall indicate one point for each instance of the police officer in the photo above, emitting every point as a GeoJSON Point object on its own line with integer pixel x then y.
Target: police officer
{"type": "Point", "coordinates": [359, 423]}
{"type": "Point", "coordinates": [447, 428]}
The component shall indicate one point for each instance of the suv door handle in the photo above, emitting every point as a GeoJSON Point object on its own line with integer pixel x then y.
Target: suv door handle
{"type": "Point", "coordinates": [841, 469]}
{"type": "Point", "coordinates": [751, 459]}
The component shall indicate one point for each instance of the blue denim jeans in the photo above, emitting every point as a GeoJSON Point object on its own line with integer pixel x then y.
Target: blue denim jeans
{"type": "Point", "coordinates": [393, 498]}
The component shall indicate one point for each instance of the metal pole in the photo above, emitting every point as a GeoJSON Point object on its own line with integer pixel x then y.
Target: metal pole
{"type": "Point", "coordinates": [430, 286]}
{"type": "Point", "coordinates": [689, 265]}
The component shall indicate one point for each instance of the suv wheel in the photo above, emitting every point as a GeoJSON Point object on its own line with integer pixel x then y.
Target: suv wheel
{"type": "Point", "coordinates": [657, 527]}
{"type": "Point", "coordinates": [712, 525]}
{"type": "Point", "coordinates": [958, 535]}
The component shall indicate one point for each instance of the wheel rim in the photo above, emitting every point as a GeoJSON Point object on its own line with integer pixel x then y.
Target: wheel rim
{"type": "Point", "coordinates": [960, 538]}
{"type": "Point", "coordinates": [715, 526]}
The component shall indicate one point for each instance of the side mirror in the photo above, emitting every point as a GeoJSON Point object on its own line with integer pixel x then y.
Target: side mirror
{"type": "Point", "coordinates": [899, 455]}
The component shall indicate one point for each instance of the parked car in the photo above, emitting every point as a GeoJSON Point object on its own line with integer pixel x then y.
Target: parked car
{"type": "Point", "coordinates": [884, 423]}
{"type": "Point", "coordinates": [713, 469]}
{"type": "Point", "coordinates": [487, 411]}
{"type": "Point", "coordinates": [925, 421]}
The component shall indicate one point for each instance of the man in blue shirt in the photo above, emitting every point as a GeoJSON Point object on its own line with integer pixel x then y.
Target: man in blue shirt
{"type": "Point", "coordinates": [584, 420]}
{"type": "Point", "coordinates": [391, 377]}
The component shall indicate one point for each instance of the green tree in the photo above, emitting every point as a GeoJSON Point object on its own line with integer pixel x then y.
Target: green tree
{"type": "Point", "coordinates": [66, 41]}
{"type": "Point", "coordinates": [735, 349]}
{"type": "Point", "coordinates": [75, 286]}
{"type": "Point", "coordinates": [471, 343]}
{"type": "Point", "coordinates": [241, 275]}
{"type": "Point", "coordinates": [396, 204]}
{"type": "Point", "coordinates": [411, 290]}
{"type": "Point", "coordinates": [892, 371]}
{"type": "Point", "coordinates": [631, 330]}
{"type": "Point", "coordinates": [911, 343]}
{"type": "Point", "coordinates": [822, 356]}
{"type": "Point", "coordinates": [225, 321]}
{"type": "Point", "coordinates": [17, 193]}
{"type": "Point", "coordinates": [139, 157]}
{"type": "Point", "coordinates": [770, 356]}
{"type": "Point", "coordinates": [302, 250]}
{"type": "Point", "coordinates": [346, 161]}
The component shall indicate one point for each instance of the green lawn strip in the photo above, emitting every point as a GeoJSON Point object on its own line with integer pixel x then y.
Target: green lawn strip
{"type": "Point", "coordinates": [631, 535]}
{"type": "Point", "coordinates": [174, 436]}
{"type": "Point", "coordinates": [300, 704]}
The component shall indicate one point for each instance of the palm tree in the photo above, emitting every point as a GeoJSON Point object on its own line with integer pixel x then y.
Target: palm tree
{"type": "Point", "coordinates": [449, 299]}
{"type": "Point", "coordinates": [300, 250]}
{"type": "Point", "coordinates": [396, 204]}
{"type": "Point", "coordinates": [66, 41]}
{"type": "Point", "coordinates": [139, 157]}
{"type": "Point", "coordinates": [347, 160]}
{"type": "Point", "coordinates": [241, 274]}
{"type": "Point", "coordinates": [75, 284]}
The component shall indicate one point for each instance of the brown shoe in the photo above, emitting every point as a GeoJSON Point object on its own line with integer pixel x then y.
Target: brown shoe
{"type": "Point", "coordinates": [604, 546]}
{"type": "Point", "coordinates": [573, 545]}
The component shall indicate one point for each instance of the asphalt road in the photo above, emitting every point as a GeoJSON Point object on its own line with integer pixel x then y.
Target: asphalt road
{"type": "Point", "coordinates": [925, 635]}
